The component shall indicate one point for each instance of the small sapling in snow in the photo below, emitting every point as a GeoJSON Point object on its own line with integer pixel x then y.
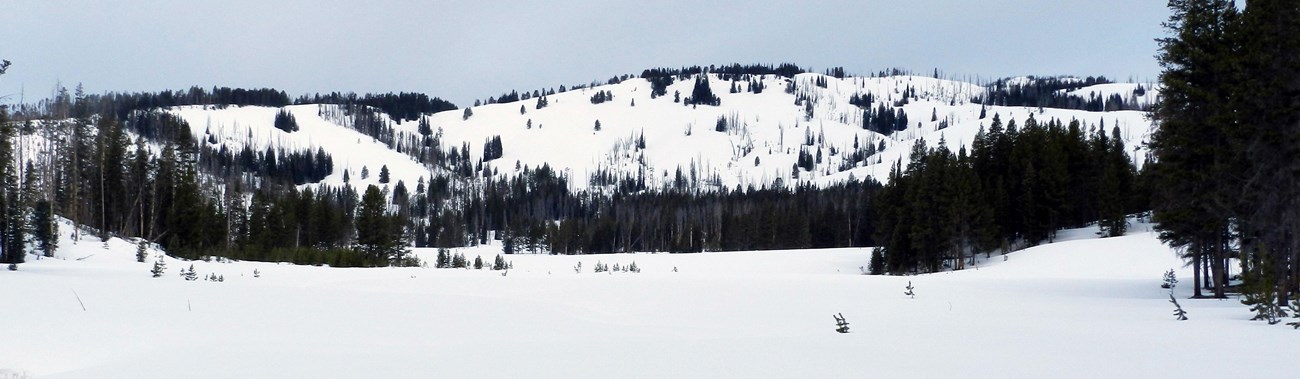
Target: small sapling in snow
{"type": "Point", "coordinates": [909, 291]}
{"type": "Point", "coordinates": [1171, 280]}
{"type": "Point", "coordinates": [841, 325]}
{"type": "Point", "coordinates": [158, 267]}
{"type": "Point", "coordinates": [1178, 309]}
{"type": "Point", "coordinates": [141, 251]}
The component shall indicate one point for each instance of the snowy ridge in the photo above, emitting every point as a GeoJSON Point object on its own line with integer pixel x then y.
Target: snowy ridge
{"type": "Point", "coordinates": [761, 145]}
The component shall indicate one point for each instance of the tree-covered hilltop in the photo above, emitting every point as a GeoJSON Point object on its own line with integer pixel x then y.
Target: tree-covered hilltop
{"type": "Point", "coordinates": [134, 165]}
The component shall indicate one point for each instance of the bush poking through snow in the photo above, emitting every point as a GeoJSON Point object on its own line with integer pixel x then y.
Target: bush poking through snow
{"type": "Point", "coordinates": [1260, 295]}
{"type": "Point", "coordinates": [841, 325]}
{"type": "Point", "coordinates": [1178, 309]}
{"type": "Point", "coordinates": [257, 274]}
{"type": "Point", "coordinates": [909, 291]}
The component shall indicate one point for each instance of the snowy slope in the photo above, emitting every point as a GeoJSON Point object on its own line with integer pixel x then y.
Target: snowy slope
{"type": "Point", "coordinates": [760, 150]}
{"type": "Point", "coordinates": [1085, 308]}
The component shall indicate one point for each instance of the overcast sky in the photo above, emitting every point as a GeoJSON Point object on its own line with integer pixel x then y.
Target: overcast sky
{"type": "Point", "coordinates": [463, 50]}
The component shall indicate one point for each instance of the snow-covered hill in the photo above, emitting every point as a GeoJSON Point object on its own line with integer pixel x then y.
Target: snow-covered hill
{"type": "Point", "coordinates": [766, 130]}
{"type": "Point", "coordinates": [1060, 310]}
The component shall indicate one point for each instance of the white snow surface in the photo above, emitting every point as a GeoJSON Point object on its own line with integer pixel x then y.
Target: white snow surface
{"type": "Point", "coordinates": [761, 150]}
{"type": "Point", "coordinates": [1083, 307]}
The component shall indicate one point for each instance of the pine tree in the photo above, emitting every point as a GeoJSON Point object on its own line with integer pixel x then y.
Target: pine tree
{"type": "Point", "coordinates": [383, 175]}
{"type": "Point", "coordinates": [45, 229]}
{"type": "Point", "coordinates": [467, 114]}
{"type": "Point", "coordinates": [13, 234]}
{"type": "Point", "coordinates": [425, 129]}
{"type": "Point", "coordinates": [1267, 126]}
{"type": "Point", "coordinates": [877, 264]}
{"type": "Point", "coordinates": [285, 121]}
{"type": "Point", "coordinates": [190, 274]}
{"type": "Point", "coordinates": [444, 259]}
{"type": "Point", "coordinates": [1194, 180]}
{"type": "Point", "coordinates": [141, 251]}
{"type": "Point", "coordinates": [375, 239]}
{"type": "Point", "coordinates": [159, 267]}
{"type": "Point", "coordinates": [1171, 281]}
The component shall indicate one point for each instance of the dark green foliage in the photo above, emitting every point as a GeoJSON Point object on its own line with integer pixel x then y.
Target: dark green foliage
{"type": "Point", "coordinates": [159, 267]}
{"type": "Point", "coordinates": [1224, 169]}
{"type": "Point", "coordinates": [877, 264]}
{"type": "Point", "coordinates": [601, 97]}
{"type": "Point", "coordinates": [1170, 281]}
{"type": "Point", "coordinates": [141, 251]}
{"type": "Point", "coordinates": [285, 121]}
{"type": "Point", "coordinates": [492, 149]}
{"type": "Point", "coordinates": [424, 128]}
{"type": "Point", "coordinates": [45, 229]}
{"type": "Point", "coordinates": [384, 175]}
{"type": "Point", "coordinates": [189, 274]}
{"type": "Point", "coordinates": [404, 106]}
{"type": "Point", "coordinates": [702, 94]}
{"type": "Point", "coordinates": [1261, 297]}
{"type": "Point", "coordinates": [1052, 92]}
{"type": "Point", "coordinates": [13, 221]}
{"type": "Point", "coordinates": [380, 235]}
{"type": "Point", "coordinates": [467, 114]}
{"type": "Point", "coordinates": [1016, 187]}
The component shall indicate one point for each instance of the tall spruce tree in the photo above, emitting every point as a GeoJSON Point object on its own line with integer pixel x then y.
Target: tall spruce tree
{"type": "Point", "coordinates": [12, 238]}
{"type": "Point", "coordinates": [1268, 104]}
{"type": "Point", "coordinates": [1194, 161]}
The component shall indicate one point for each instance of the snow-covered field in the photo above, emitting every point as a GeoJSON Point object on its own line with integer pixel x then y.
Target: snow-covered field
{"type": "Point", "coordinates": [1084, 307]}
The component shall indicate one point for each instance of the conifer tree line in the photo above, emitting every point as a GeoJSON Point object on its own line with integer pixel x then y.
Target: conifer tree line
{"type": "Point", "coordinates": [194, 199]}
{"type": "Point", "coordinates": [1015, 187]}
{"type": "Point", "coordinates": [1052, 92]}
{"type": "Point", "coordinates": [198, 198]}
{"type": "Point", "coordinates": [1225, 168]}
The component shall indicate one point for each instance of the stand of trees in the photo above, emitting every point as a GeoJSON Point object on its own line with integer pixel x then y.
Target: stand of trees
{"type": "Point", "coordinates": [1016, 187]}
{"type": "Point", "coordinates": [1052, 93]}
{"type": "Point", "coordinates": [1225, 167]}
